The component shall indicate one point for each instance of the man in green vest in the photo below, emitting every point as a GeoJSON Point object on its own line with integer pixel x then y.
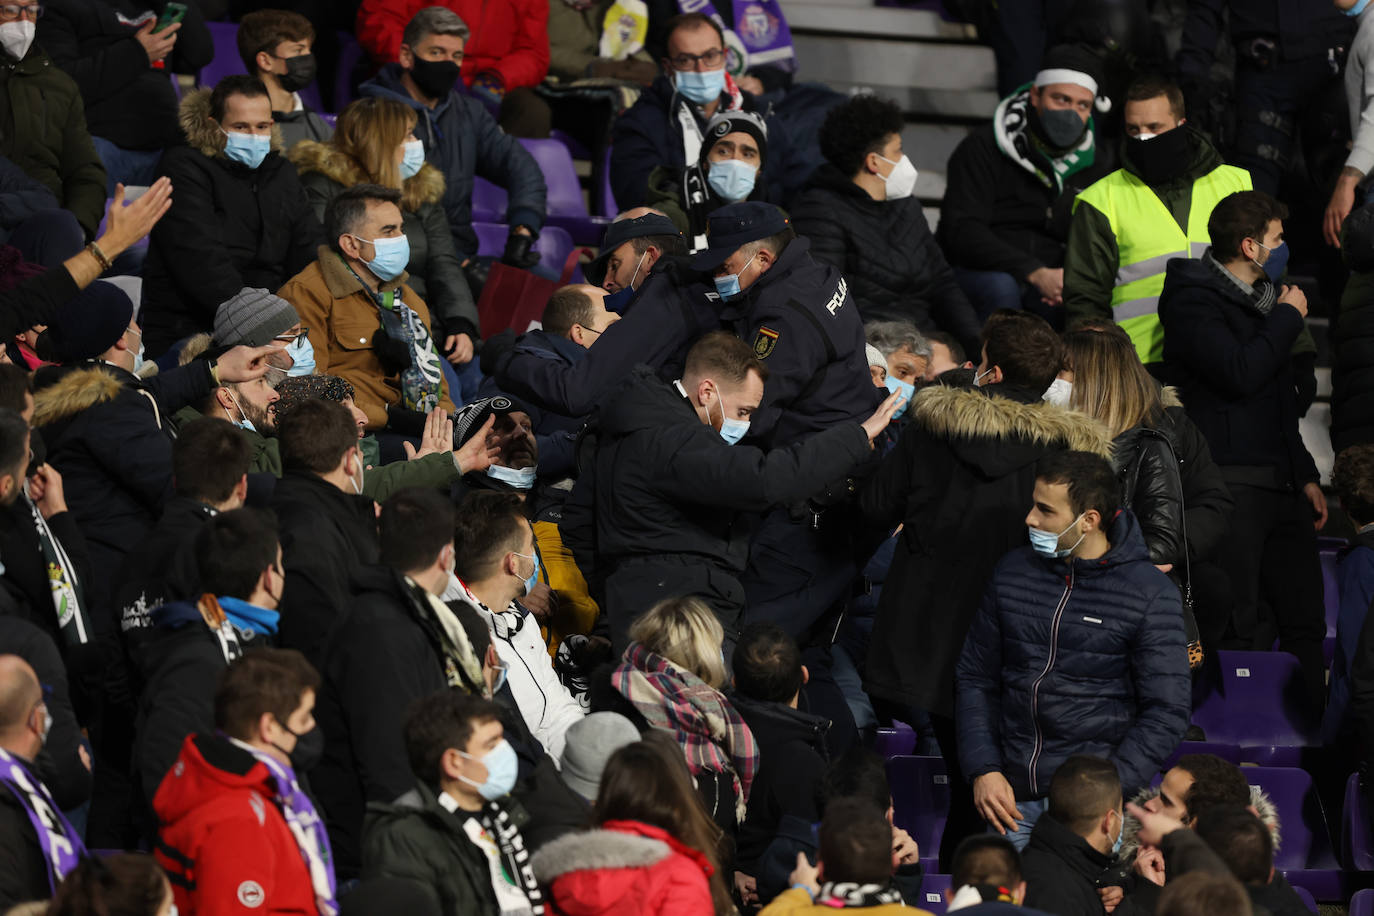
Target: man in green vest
{"type": "Point", "coordinates": [1127, 226]}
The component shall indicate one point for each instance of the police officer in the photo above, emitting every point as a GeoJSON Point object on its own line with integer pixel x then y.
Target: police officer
{"type": "Point", "coordinates": [1289, 55]}
{"type": "Point", "coordinates": [663, 304]}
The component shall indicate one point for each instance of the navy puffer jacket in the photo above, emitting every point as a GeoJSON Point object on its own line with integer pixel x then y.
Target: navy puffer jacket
{"type": "Point", "coordinates": [1074, 657]}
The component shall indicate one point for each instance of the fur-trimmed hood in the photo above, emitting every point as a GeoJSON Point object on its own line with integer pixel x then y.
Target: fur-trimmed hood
{"type": "Point", "coordinates": [204, 136]}
{"type": "Point", "coordinates": [973, 414]}
{"type": "Point", "coordinates": [424, 187]}
{"type": "Point", "coordinates": [1268, 813]}
{"type": "Point", "coordinates": [75, 390]}
{"type": "Point", "coordinates": [596, 849]}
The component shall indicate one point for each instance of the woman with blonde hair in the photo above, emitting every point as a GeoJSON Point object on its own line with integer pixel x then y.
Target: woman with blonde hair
{"type": "Point", "coordinates": [653, 850]}
{"type": "Point", "coordinates": [671, 674]}
{"type": "Point", "coordinates": [374, 143]}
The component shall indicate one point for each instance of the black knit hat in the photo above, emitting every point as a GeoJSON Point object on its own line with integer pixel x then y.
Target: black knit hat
{"type": "Point", "coordinates": [89, 323]}
{"type": "Point", "coordinates": [468, 420]}
{"type": "Point", "coordinates": [729, 122]}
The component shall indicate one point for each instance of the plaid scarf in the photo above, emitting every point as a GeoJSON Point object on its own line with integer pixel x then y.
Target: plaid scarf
{"type": "Point", "coordinates": [1261, 297]}
{"type": "Point", "coordinates": [713, 736]}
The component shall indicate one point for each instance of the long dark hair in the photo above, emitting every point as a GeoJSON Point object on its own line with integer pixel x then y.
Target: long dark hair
{"type": "Point", "coordinates": [649, 781]}
{"type": "Point", "coordinates": [127, 884]}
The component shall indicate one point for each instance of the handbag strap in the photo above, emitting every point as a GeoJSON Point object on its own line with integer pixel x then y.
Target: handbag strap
{"type": "Point", "coordinates": [570, 264]}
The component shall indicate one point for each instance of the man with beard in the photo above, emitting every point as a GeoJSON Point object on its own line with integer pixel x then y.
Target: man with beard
{"type": "Point", "coordinates": [1128, 226]}
{"type": "Point", "coordinates": [1013, 182]}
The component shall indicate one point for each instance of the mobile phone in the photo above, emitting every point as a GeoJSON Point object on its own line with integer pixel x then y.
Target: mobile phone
{"type": "Point", "coordinates": [171, 13]}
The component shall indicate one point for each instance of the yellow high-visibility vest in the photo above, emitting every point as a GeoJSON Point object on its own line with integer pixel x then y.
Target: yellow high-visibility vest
{"type": "Point", "coordinates": [1147, 237]}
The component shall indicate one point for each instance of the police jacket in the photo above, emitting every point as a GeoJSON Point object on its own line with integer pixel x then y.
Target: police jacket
{"type": "Point", "coordinates": [1301, 29]}
{"type": "Point", "coordinates": [802, 322]}
{"type": "Point", "coordinates": [666, 483]}
{"type": "Point", "coordinates": [1073, 656]}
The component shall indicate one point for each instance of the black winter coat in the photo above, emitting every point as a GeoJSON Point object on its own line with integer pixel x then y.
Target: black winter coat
{"type": "Point", "coordinates": [885, 250]}
{"type": "Point", "coordinates": [26, 572]}
{"type": "Point", "coordinates": [1352, 371]}
{"type": "Point", "coordinates": [1074, 657]}
{"type": "Point", "coordinates": [383, 654]}
{"type": "Point", "coordinates": [792, 764]}
{"type": "Point", "coordinates": [23, 869]}
{"type": "Point", "coordinates": [326, 534]}
{"type": "Point", "coordinates": [1234, 370]}
{"type": "Point", "coordinates": [960, 481]}
{"type": "Point", "coordinates": [669, 312]}
{"type": "Point", "coordinates": [1061, 870]}
{"type": "Point", "coordinates": [996, 215]}
{"type": "Point", "coordinates": [161, 569]}
{"type": "Point", "coordinates": [1151, 487]}
{"type": "Point", "coordinates": [1207, 502]}
{"type": "Point", "coordinates": [802, 323]}
{"type": "Point", "coordinates": [128, 102]}
{"type": "Point", "coordinates": [110, 437]}
{"type": "Point", "coordinates": [229, 227]}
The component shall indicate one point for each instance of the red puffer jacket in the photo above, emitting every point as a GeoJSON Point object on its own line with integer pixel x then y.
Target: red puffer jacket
{"type": "Point", "coordinates": [510, 37]}
{"type": "Point", "coordinates": [225, 846]}
{"type": "Point", "coordinates": [627, 868]}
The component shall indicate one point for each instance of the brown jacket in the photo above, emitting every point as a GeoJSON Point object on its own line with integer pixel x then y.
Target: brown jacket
{"type": "Point", "coordinates": [342, 318]}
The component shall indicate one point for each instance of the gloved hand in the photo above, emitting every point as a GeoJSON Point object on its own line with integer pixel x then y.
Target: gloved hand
{"type": "Point", "coordinates": [518, 253]}
{"type": "Point", "coordinates": [496, 350]}
{"type": "Point", "coordinates": [476, 272]}
{"type": "Point", "coordinates": [489, 88]}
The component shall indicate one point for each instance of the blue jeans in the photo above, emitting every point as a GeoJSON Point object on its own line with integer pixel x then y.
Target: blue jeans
{"type": "Point", "coordinates": [136, 167]}
{"type": "Point", "coordinates": [1030, 811]}
{"type": "Point", "coordinates": [990, 290]}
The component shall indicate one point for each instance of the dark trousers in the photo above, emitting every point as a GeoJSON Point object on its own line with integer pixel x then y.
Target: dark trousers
{"type": "Point", "coordinates": [798, 572]}
{"type": "Point", "coordinates": [48, 237]}
{"type": "Point", "coordinates": [1269, 105]}
{"type": "Point", "coordinates": [638, 584]}
{"type": "Point", "coordinates": [1270, 559]}
{"type": "Point", "coordinates": [964, 820]}
{"type": "Point", "coordinates": [524, 114]}
{"type": "Point", "coordinates": [990, 290]}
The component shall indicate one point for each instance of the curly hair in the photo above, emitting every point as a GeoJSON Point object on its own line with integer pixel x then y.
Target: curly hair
{"type": "Point", "coordinates": [1353, 476]}
{"type": "Point", "coordinates": [858, 127]}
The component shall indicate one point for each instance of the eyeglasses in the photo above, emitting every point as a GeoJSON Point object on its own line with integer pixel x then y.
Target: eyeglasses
{"type": "Point", "coordinates": [11, 11]}
{"type": "Point", "coordinates": [712, 60]}
{"type": "Point", "coordinates": [292, 338]}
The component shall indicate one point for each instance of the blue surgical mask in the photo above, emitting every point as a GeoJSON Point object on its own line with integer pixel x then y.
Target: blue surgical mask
{"type": "Point", "coordinates": [243, 422]}
{"type": "Point", "coordinates": [616, 301]}
{"type": "Point", "coordinates": [908, 391]}
{"type": "Point", "coordinates": [728, 286]}
{"type": "Point", "coordinates": [1274, 265]}
{"type": "Point", "coordinates": [700, 87]}
{"type": "Point", "coordinates": [138, 357]}
{"type": "Point", "coordinates": [414, 159]}
{"type": "Point", "coordinates": [502, 672]}
{"type": "Point", "coordinates": [390, 256]}
{"type": "Point", "coordinates": [1120, 835]}
{"type": "Point", "coordinates": [502, 768]}
{"type": "Point", "coordinates": [732, 179]}
{"type": "Point", "coordinates": [248, 149]}
{"type": "Point", "coordinates": [302, 354]}
{"type": "Point", "coordinates": [519, 478]}
{"type": "Point", "coordinates": [1046, 543]}
{"type": "Point", "coordinates": [731, 430]}
{"type": "Point", "coordinates": [533, 579]}
{"type": "Point", "coordinates": [1357, 9]}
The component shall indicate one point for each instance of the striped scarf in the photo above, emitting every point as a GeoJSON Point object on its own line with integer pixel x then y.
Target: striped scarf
{"type": "Point", "coordinates": [713, 736]}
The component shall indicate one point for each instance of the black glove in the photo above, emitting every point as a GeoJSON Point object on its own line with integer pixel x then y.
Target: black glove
{"type": "Point", "coordinates": [517, 253]}
{"type": "Point", "coordinates": [476, 271]}
{"type": "Point", "coordinates": [495, 350]}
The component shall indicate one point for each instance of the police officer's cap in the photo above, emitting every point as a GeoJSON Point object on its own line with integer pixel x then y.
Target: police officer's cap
{"type": "Point", "coordinates": [622, 231]}
{"type": "Point", "coordinates": [734, 225]}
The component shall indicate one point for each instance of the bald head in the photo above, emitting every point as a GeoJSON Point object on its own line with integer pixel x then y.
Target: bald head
{"type": "Point", "coordinates": [20, 694]}
{"type": "Point", "coordinates": [579, 313]}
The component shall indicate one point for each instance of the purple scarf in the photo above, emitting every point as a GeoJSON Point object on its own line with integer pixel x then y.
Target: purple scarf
{"type": "Point", "coordinates": [62, 847]}
{"type": "Point", "coordinates": [306, 826]}
{"type": "Point", "coordinates": [761, 28]}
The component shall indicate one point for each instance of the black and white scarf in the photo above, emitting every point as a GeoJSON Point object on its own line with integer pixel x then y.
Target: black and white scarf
{"type": "Point", "coordinates": [1262, 297]}
{"type": "Point", "coordinates": [848, 895]}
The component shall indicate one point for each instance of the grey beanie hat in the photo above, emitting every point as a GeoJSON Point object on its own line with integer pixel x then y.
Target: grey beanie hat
{"type": "Point", "coordinates": [588, 745]}
{"type": "Point", "coordinates": [253, 317]}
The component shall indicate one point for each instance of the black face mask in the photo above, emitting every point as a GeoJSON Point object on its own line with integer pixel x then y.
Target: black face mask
{"type": "Point", "coordinates": [436, 78]}
{"type": "Point", "coordinates": [40, 453]}
{"type": "Point", "coordinates": [1163, 157]}
{"type": "Point", "coordinates": [308, 751]}
{"type": "Point", "coordinates": [300, 72]}
{"type": "Point", "coordinates": [1061, 129]}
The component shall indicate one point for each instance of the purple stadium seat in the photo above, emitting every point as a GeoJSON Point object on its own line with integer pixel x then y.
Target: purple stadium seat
{"type": "Point", "coordinates": [553, 245]}
{"type": "Point", "coordinates": [1357, 832]}
{"type": "Point", "coordinates": [1306, 897]}
{"type": "Point", "coordinates": [577, 150]}
{"type": "Point", "coordinates": [920, 798]}
{"type": "Point", "coordinates": [488, 202]}
{"type": "Point", "coordinates": [933, 895]}
{"type": "Point", "coordinates": [1259, 707]}
{"type": "Point", "coordinates": [566, 206]}
{"type": "Point", "coordinates": [1304, 854]}
{"type": "Point", "coordinates": [895, 741]}
{"type": "Point", "coordinates": [331, 119]}
{"type": "Point", "coordinates": [227, 62]}
{"type": "Point", "coordinates": [1227, 752]}
{"type": "Point", "coordinates": [604, 204]}
{"type": "Point", "coordinates": [1362, 904]}
{"type": "Point", "coordinates": [350, 52]}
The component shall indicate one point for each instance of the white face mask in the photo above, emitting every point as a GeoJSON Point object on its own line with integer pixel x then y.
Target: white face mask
{"type": "Point", "coordinates": [901, 181]}
{"type": "Point", "coordinates": [1059, 392]}
{"type": "Point", "coordinates": [16, 37]}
